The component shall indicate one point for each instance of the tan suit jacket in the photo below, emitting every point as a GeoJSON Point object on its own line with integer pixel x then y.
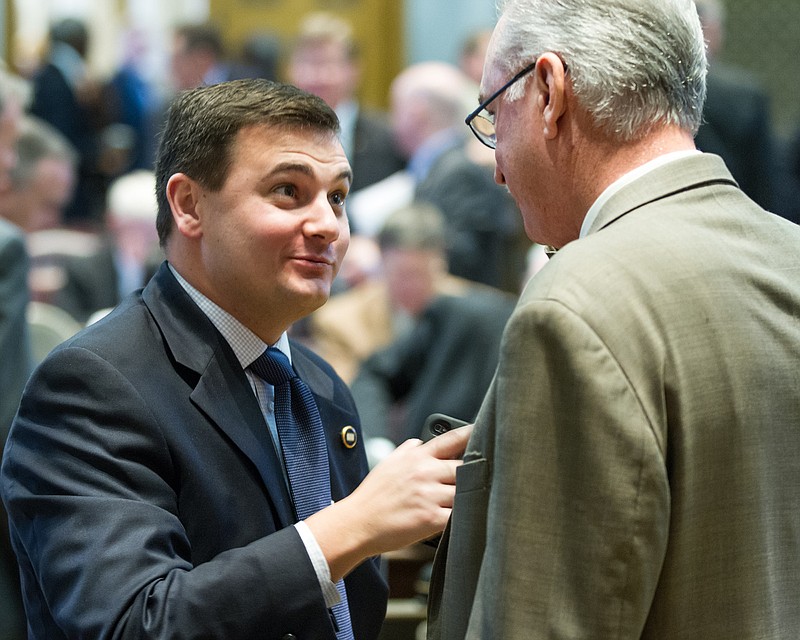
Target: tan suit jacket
{"type": "Point", "coordinates": [634, 469]}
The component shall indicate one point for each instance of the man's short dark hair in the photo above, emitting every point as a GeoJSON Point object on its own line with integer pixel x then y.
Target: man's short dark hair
{"type": "Point", "coordinates": [203, 123]}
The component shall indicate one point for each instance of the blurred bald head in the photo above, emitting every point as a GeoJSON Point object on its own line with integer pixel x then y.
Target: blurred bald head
{"type": "Point", "coordinates": [427, 98]}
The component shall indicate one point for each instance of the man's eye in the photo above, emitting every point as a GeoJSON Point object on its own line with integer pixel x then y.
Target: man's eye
{"type": "Point", "coordinates": [288, 190]}
{"type": "Point", "coordinates": [338, 199]}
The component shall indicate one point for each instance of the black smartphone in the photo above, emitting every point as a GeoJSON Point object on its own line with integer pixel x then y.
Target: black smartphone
{"type": "Point", "coordinates": [438, 423]}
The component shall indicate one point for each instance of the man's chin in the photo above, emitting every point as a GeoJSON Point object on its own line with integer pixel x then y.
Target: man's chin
{"type": "Point", "coordinates": [313, 296]}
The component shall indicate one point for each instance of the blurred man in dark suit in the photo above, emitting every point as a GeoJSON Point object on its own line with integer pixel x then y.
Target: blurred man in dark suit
{"type": "Point", "coordinates": [736, 116]}
{"type": "Point", "coordinates": [324, 60]}
{"type": "Point", "coordinates": [482, 222]}
{"type": "Point", "coordinates": [67, 97]}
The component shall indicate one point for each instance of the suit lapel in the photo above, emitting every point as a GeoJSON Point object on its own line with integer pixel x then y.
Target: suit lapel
{"type": "Point", "coordinates": [224, 395]}
{"type": "Point", "coordinates": [221, 390]}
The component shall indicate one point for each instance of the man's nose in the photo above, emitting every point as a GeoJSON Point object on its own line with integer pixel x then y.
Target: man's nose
{"type": "Point", "coordinates": [323, 219]}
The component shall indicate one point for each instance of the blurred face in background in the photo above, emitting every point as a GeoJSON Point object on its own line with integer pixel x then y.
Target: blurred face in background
{"type": "Point", "coordinates": [10, 117]}
{"type": "Point", "coordinates": [189, 66]}
{"type": "Point", "coordinates": [412, 276]}
{"type": "Point", "coordinates": [325, 69]}
{"type": "Point", "coordinates": [40, 204]}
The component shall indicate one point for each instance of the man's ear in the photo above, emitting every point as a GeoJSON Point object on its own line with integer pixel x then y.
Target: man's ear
{"type": "Point", "coordinates": [183, 195]}
{"type": "Point", "coordinates": [550, 78]}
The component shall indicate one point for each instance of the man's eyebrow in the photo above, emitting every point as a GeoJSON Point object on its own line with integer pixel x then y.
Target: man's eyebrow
{"type": "Point", "coordinates": [291, 167]}
{"type": "Point", "coordinates": [299, 167]}
{"type": "Point", "coordinates": [346, 175]}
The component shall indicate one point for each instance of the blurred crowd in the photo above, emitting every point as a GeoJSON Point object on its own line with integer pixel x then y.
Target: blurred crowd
{"type": "Point", "coordinates": [438, 253]}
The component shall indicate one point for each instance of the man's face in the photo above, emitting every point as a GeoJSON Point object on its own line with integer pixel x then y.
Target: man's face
{"type": "Point", "coordinates": [49, 191]}
{"type": "Point", "coordinates": [274, 236]}
{"type": "Point", "coordinates": [406, 114]}
{"type": "Point", "coordinates": [9, 132]}
{"type": "Point", "coordinates": [188, 68]}
{"type": "Point", "coordinates": [518, 157]}
{"type": "Point", "coordinates": [325, 70]}
{"type": "Point", "coordinates": [412, 276]}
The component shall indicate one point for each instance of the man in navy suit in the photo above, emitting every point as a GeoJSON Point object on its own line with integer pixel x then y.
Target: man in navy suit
{"type": "Point", "coordinates": [143, 474]}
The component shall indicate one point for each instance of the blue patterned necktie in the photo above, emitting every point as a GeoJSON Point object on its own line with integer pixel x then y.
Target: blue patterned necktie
{"type": "Point", "coordinates": [304, 452]}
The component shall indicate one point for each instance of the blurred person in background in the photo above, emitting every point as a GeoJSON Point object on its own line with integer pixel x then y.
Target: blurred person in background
{"type": "Point", "coordinates": [260, 57]}
{"type": "Point", "coordinates": [43, 180]}
{"type": "Point", "coordinates": [128, 257]}
{"type": "Point", "coordinates": [15, 351]}
{"type": "Point", "coordinates": [68, 98]}
{"type": "Point", "coordinates": [473, 53]}
{"type": "Point", "coordinates": [435, 336]}
{"type": "Point", "coordinates": [324, 60]}
{"type": "Point", "coordinates": [42, 184]}
{"type": "Point", "coordinates": [411, 272]}
{"type": "Point", "coordinates": [737, 123]}
{"type": "Point", "coordinates": [428, 101]}
{"type": "Point", "coordinates": [197, 57]}
{"type": "Point", "coordinates": [131, 102]}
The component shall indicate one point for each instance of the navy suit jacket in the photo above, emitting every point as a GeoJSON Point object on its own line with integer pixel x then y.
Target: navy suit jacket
{"type": "Point", "coordinates": [145, 495]}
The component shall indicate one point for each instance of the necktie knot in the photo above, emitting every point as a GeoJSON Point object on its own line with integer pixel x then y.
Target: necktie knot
{"type": "Point", "coordinates": [273, 366]}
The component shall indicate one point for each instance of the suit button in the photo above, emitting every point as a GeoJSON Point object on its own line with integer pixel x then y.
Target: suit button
{"type": "Point", "coordinates": [289, 636]}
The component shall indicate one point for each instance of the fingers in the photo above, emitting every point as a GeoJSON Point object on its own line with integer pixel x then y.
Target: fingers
{"type": "Point", "coordinates": [450, 445]}
{"type": "Point", "coordinates": [409, 444]}
{"type": "Point", "coordinates": [449, 468]}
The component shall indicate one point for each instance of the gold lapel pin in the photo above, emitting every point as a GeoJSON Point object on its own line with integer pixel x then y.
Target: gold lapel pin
{"type": "Point", "coordinates": [349, 437]}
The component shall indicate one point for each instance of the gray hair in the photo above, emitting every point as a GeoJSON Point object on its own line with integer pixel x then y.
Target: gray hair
{"type": "Point", "coordinates": [441, 87]}
{"type": "Point", "coordinates": [37, 141]}
{"type": "Point", "coordinates": [416, 226]}
{"type": "Point", "coordinates": [633, 63]}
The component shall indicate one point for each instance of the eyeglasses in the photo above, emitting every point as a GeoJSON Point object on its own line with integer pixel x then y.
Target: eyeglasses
{"type": "Point", "coordinates": [481, 122]}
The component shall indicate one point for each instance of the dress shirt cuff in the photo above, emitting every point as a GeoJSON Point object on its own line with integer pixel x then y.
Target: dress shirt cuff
{"type": "Point", "coordinates": [329, 590]}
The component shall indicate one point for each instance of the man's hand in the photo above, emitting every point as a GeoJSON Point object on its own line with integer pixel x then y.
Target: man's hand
{"type": "Point", "coordinates": [406, 498]}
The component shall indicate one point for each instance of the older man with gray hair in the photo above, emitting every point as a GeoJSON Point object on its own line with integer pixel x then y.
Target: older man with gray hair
{"type": "Point", "coordinates": [633, 471]}
{"type": "Point", "coordinates": [43, 180]}
{"type": "Point", "coordinates": [428, 100]}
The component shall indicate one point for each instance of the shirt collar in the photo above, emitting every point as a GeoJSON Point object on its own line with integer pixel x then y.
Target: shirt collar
{"type": "Point", "coordinates": [625, 180]}
{"type": "Point", "coordinates": [246, 345]}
